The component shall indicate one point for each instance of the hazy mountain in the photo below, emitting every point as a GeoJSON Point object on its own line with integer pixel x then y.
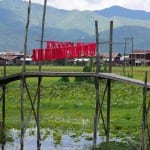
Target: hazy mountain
{"type": "Point", "coordinates": [140, 37]}
{"type": "Point", "coordinates": [69, 25]}
{"type": "Point", "coordinates": [124, 12]}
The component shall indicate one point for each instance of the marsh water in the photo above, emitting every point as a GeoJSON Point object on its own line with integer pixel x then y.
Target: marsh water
{"type": "Point", "coordinates": [51, 140]}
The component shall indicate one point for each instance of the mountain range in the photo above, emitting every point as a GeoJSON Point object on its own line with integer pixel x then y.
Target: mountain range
{"type": "Point", "coordinates": [73, 25]}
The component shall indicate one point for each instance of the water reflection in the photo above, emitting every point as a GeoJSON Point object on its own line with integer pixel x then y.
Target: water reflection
{"type": "Point", "coordinates": [50, 140]}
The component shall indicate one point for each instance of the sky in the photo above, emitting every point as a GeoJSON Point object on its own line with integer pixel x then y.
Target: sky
{"type": "Point", "coordinates": [96, 4]}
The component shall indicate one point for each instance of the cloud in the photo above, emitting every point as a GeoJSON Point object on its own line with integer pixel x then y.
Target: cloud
{"type": "Point", "coordinates": [138, 4]}
{"type": "Point", "coordinates": [81, 5]}
{"type": "Point", "coordinates": [96, 4]}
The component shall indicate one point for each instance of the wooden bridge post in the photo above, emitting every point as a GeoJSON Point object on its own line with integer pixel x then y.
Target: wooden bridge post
{"type": "Point", "coordinates": [144, 119]}
{"type": "Point", "coordinates": [124, 54]}
{"type": "Point", "coordinates": [109, 83]}
{"type": "Point", "coordinates": [110, 46]}
{"type": "Point", "coordinates": [22, 115]}
{"type": "Point", "coordinates": [39, 81]}
{"type": "Point", "coordinates": [132, 38]}
{"type": "Point", "coordinates": [23, 79]}
{"type": "Point", "coordinates": [3, 108]}
{"type": "Point", "coordinates": [96, 88]}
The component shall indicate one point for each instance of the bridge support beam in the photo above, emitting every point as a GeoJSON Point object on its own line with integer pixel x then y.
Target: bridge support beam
{"type": "Point", "coordinates": [108, 110]}
{"type": "Point", "coordinates": [96, 88]}
{"type": "Point", "coordinates": [3, 117]}
{"type": "Point", "coordinates": [144, 116]}
{"type": "Point", "coordinates": [3, 109]}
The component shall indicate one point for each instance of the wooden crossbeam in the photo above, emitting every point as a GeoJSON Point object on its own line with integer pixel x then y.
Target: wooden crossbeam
{"type": "Point", "coordinates": [122, 79]}
{"type": "Point", "coordinates": [15, 77]}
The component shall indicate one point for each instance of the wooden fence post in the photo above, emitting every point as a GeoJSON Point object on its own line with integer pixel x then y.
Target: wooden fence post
{"type": "Point", "coordinates": [144, 144]}
{"type": "Point", "coordinates": [109, 82]}
{"type": "Point", "coordinates": [96, 88]}
{"type": "Point", "coordinates": [3, 109]}
{"type": "Point", "coordinates": [23, 79]}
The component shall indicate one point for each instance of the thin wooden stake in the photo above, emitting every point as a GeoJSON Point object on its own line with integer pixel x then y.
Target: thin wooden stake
{"type": "Point", "coordinates": [110, 46]}
{"type": "Point", "coordinates": [124, 61]}
{"type": "Point", "coordinates": [147, 125]}
{"type": "Point", "coordinates": [4, 71]}
{"type": "Point", "coordinates": [23, 79]}
{"type": "Point", "coordinates": [26, 37]}
{"type": "Point", "coordinates": [38, 115]}
{"type": "Point", "coordinates": [132, 38]}
{"type": "Point", "coordinates": [96, 88]}
{"type": "Point", "coordinates": [39, 81]}
{"type": "Point", "coordinates": [108, 110]}
{"type": "Point", "coordinates": [32, 102]}
{"type": "Point", "coordinates": [101, 112]}
{"type": "Point", "coordinates": [144, 144]}
{"type": "Point", "coordinates": [3, 114]}
{"type": "Point", "coordinates": [109, 82]}
{"type": "Point", "coordinates": [22, 115]}
{"type": "Point", "coordinates": [30, 113]}
{"type": "Point", "coordinates": [3, 109]}
{"type": "Point", "coordinates": [43, 28]}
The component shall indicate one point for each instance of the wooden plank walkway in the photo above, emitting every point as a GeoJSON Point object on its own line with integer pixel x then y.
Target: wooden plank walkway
{"type": "Point", "coordinates": [14, 77]}
{"type": "Point", "coordinates": [122, 79]}
{"type": "Point", "coordinates": [19, 76]}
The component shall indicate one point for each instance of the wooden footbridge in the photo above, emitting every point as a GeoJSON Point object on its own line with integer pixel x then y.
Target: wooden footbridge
{"type": "Point", "coordinates": [108, 76]}
{"type": "Point", "coordinates": [96, 75]}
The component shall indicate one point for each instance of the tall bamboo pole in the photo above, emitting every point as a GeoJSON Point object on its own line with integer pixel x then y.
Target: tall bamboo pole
{"type": "Point", "coordinates": [144, 144]}
{"type": "Point", "coordinates": [96, 87]}
{"type": "Point", "coordinates": [43, 29]}
{"type": "Point", "coordinates": [124, 61]}
{"type": "Point", "coordinates": [26, 37]}
{"type": "Point", "coordinates": [23, 79]}
{"type": "Point", "coordinates": [3, 109]}
{"type": "Point", "coordinates": [110, 46]}
{"type": "Point", "coordinates": [39, 80]}
{"type": "Point", "coordinates": [132, 38]}
{"type": "Point", "coordinates": [109, 82]}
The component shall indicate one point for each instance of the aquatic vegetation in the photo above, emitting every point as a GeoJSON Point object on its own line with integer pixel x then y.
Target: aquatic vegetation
{"type": "Point", "coordinates": [57, 137]}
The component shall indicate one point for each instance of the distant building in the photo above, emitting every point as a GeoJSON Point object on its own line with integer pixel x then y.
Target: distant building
{"type": "Point", "coordinates": [115, 58]}
{"type": "Point", "coordinates": [11, 58]}
{"type": "Point", "coordinates": [140, 57]}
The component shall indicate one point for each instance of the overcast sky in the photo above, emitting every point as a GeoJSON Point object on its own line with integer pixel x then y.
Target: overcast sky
{"type": "Point", "coordinates": [97, 4]}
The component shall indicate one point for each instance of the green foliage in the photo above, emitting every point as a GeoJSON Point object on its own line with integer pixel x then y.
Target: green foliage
{"type": "Point", "coordinates": [86, 68]}
{"type": "Point", "coordinates": [104, 67]}
{"type": "Point", "coordinates": [57, 137]}
{"type": "Point", "coordinates": [116, 146]}
{"type": "Point", "coordinates": [64, 79]}
{"type": "Point", "coordinates": [1, 134]}
{"type": "Point", "coordinates": [4, 137]}
{"type": "Point", "coordinates": [59, 62]}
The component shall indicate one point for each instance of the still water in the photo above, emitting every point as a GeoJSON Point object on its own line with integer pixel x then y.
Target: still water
{"type": "Point", "coordinates": [51, 140]}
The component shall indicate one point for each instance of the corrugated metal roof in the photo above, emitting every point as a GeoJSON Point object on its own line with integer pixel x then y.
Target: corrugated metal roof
{"type": "Point", "coordinates": [140, 52]}
{"type": "Point", "coordinates": [114, 55]}
{"type": "Point", "coordinates": [8, 57]}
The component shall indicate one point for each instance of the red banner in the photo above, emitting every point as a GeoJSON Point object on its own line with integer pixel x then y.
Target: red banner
{"type": "Point", "coordinates": [34, 55]}
{"type": "Point", "coordinates": [62, 50]}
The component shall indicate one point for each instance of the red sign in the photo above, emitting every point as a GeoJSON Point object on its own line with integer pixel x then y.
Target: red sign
{"type": "Point", "coordinates": [62, 50]}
